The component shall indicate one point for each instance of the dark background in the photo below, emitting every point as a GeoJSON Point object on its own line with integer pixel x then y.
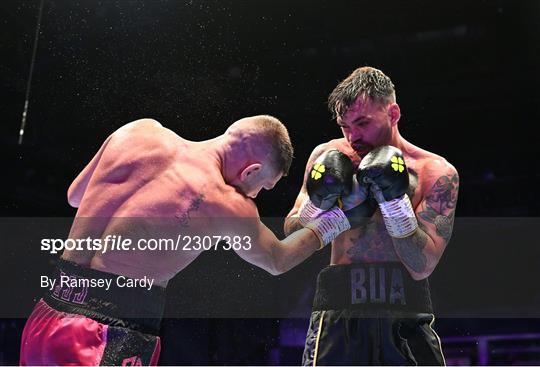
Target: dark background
{"type": "Point", "coordinates": [466, 73]}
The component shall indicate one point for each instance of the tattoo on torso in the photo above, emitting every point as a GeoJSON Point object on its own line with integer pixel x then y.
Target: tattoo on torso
{"type": "Point", "coordinates": [373, 243]}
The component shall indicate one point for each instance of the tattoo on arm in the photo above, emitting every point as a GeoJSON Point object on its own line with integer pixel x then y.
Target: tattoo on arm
{"type": "Point", "coordinates": [441, 205]}
{"type": "Point", "coordinates": [439, 210]}
{"type": "Point", "coordinates": [410, 249]}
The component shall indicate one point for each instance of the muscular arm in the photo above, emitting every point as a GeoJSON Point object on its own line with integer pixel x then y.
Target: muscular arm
{"type": "Point", "coordinates": [421, 251]}
{"type": "Point", "coordinates": [266, 250]}
{"type": "Point", "coordinates": [277, 257]}
{"type": "Point", "coordinates": [292, 223]}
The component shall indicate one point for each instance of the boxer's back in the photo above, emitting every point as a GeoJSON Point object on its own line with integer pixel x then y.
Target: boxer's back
{"type": "Point", "coordinates": [149, 184]}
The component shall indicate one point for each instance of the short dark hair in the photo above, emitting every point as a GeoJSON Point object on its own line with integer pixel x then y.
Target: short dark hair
{"type": "Point", "coordinates": [268, 136]}
{"type": "Point", "coordinates": [277, 136]}
{"type": "Point", "coordinates": [366, 81]}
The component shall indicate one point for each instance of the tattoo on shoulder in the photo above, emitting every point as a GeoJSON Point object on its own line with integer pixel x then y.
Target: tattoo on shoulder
{"type": "Point", "coordinates": [194, 205]}
{"type": "Point", "coordinates": [441, 205]}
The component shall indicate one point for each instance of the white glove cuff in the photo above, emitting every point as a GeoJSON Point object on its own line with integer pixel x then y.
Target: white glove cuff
{"type": "Point", "coordinates": [329, 225]}
{"type": "Point", "coordinates": [308, 212]}
{"type": "Point", "coordinates": [399, 217]}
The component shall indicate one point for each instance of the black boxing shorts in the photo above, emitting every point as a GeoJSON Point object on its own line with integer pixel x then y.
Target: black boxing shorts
{"type": "Point", "coordinates": [371, 314]}
{"type": "Point", "coordinates": [93, 326]}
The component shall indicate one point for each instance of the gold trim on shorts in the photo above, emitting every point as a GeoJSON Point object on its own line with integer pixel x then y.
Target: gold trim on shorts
{"type": "Point", "coordinates": [317, 340]}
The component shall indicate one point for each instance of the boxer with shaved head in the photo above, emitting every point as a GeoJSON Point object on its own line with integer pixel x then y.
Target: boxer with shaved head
{"type": "Point", "coordinates": [145, 183]}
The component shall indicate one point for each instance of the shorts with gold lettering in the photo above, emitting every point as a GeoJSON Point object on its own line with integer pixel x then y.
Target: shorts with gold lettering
{"type": "Point", "coordinates": [371, 314]}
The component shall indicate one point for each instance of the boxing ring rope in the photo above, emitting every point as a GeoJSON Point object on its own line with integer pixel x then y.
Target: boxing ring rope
{"type": "Point", "coordinates": [30, 74]}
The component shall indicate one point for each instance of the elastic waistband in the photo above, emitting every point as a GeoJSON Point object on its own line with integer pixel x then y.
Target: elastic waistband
{"type": "Point", "coordinates": [78, 290]}
{"type": "Point", "coordinates": [371, 287]}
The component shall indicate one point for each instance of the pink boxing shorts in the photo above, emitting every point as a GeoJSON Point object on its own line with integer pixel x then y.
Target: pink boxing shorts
{"type": "Point", "coordinates": [87, 326]}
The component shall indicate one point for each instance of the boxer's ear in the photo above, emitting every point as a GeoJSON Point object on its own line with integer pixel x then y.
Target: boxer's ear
{"type": "Point", "coordinates": [250, 171]}
{"type": "Point", "coordinates": [394, 113]}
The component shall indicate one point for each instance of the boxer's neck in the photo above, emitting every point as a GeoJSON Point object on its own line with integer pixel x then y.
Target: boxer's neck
{"type": "Point", "coordinates": [214, 151]}
{"type": "Point", "coordinates": [397, 140]}
{"type": "Point", "coordinates": [405, 146]}
{"type": "Point", "coordinates": [221, 152]}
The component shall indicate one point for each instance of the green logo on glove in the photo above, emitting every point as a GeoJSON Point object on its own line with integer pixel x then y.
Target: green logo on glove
{"type": "Point", "coordinates": [317, 171]}
{"type": "Point", "coordinates": [398, 164]}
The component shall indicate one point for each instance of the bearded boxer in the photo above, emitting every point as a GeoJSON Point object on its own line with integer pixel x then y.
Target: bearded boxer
{"type": "Point", "coordinates": [148, 182]}
{"type": "Point", "coordinates": [372, 304]}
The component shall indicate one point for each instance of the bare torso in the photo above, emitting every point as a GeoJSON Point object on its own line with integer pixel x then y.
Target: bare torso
{"type": "Point", "coordinates": [372, 243]}
{"type": "Point", "coordinates": [149, 183]}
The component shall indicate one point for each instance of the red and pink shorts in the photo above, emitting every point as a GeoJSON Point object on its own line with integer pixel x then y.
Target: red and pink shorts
{"type": "Point", "coordinates": [89, 328]}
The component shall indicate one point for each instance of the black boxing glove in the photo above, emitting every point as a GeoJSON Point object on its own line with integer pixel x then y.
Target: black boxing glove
{"type": "Point", "coordinates": [331, 187]}
{"type": "Point", "coordinates": [329, 179]}
{"type": "Point", "coordinates": [360, 214]}
{"type": "Point", "coordinates": [385, 170]}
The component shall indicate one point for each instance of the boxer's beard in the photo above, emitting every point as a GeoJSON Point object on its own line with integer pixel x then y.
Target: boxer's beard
{"type": "Point", "coordinates": [362, 148]}
{"type": "Point", "coordinates": [383, 138]}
